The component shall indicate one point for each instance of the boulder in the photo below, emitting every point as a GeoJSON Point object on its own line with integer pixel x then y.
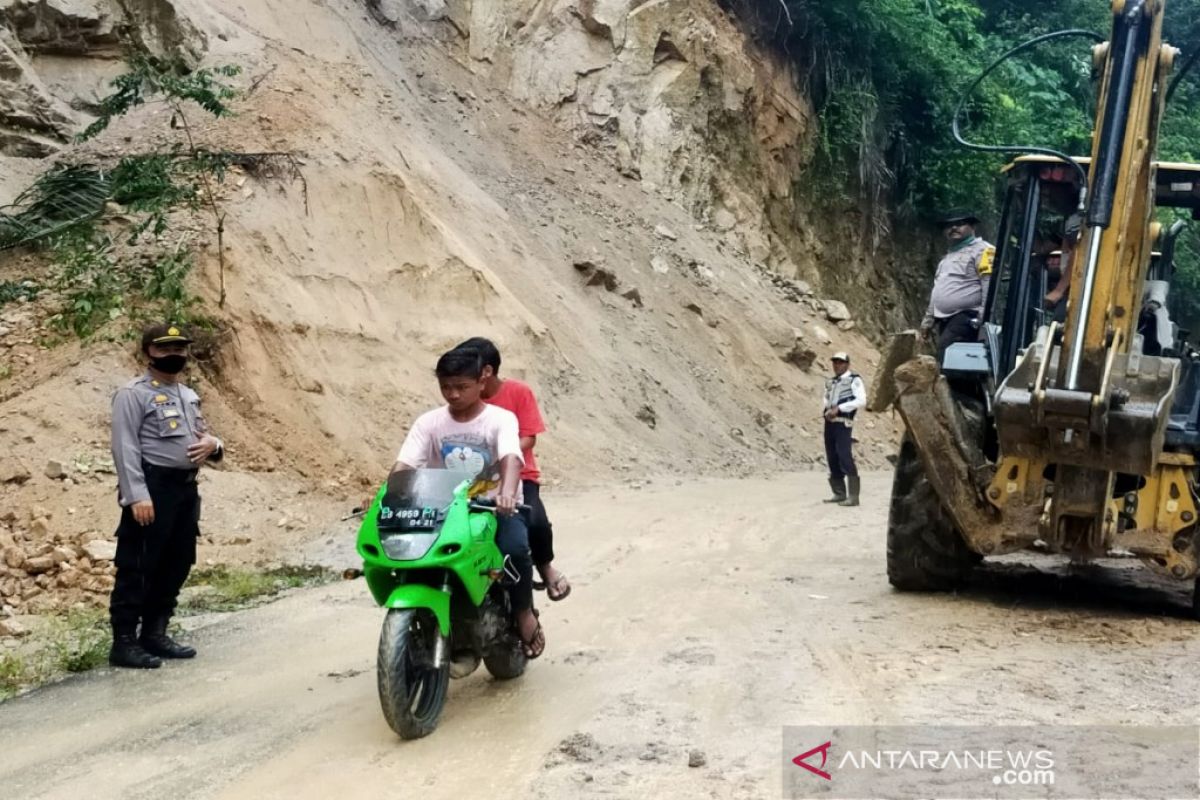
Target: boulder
{"type": "Point", "coordinates": [595, 275]}
{"type": "Point", "coordinates": [55, 470]}
{"type": "Point", "coordinates": [13, 557]}
{"type": "Point", "coordinates": [100, 550]}
{"type": "Point", "coordinates": [71, 578]}
{"type": "Point", "coordinates": [12, 628]}
{"type": "Point", "coordinates": [835, 310]}
{"type": "Point", "coordinates": [724, 220]}
{"type": "Point", "coordinates": [646, 414]}
{"type": "Point", "coordinates": [13, 471]}
{"type": "Point", "coordinates": [38, 565]}
{"type": "Point", "coordinates": [801, 356]}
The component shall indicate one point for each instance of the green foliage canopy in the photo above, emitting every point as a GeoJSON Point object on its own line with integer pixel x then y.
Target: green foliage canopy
{"type": "Point", "coordinates": [886, 75]}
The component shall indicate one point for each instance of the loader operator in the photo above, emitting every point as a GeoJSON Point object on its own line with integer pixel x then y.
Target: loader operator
{"type": "Point", "coordinates": [961, 285]}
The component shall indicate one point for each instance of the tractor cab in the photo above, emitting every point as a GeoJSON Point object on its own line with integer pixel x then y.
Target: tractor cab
{"type": "Point", "coordinates": [1031, 285]}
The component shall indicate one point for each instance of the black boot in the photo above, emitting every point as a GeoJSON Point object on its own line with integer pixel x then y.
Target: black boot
{"type": "Point", "coordinates": [852, 500]}
{"type": "Point", "coordinates": [839, 490]}
{"type": "Point", "coordinates": [155, 640]}
{"type": "Point", "coordinates": [126, 652]}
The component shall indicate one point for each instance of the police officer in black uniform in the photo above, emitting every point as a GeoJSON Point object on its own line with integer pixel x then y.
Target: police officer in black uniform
{"type": "Point", "coordinates": [159, 441]}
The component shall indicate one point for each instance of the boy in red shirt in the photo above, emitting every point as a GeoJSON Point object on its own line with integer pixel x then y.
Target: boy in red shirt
{"type": "Point", "coordinates": [517, 397]}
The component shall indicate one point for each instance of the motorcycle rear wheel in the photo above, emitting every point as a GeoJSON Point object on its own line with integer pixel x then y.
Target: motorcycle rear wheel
{"type": "Point", "coordinates": [412, 692]}
{"type": "Point", "coordinates": [507, 659]}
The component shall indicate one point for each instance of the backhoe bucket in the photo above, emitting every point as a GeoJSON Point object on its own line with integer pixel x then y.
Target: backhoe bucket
{"type": "Point", "coordinates": [1119, 430]}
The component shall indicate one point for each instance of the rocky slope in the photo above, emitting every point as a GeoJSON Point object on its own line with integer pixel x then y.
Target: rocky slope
{"type": "Point", "coordinates": [607, 189]}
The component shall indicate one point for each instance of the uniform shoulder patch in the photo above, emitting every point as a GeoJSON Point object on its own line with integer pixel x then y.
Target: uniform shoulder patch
{"type": "Point", "coordinates": [986, 259]}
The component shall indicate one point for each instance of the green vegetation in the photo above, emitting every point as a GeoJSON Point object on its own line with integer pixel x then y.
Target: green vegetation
{"type": "Point", "coordinates": [229, 588]}
{"type": "Point", "coordinates": [76, 642]}
{"type": "Point", "coordinates": [886, 74]}
{"type": "Point", "coordinates": [14, 674]}
{"type": "Point", "coordinates": [81, 640]}
{"type": "Point", "coordinates": [108, 229]}
{"type": "Point", "coordinates": [14, 290]}
{"type": "Point", "coordinates": [71, 210]}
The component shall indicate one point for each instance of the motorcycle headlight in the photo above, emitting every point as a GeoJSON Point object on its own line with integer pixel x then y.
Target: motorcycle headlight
{"type": "Point", "coordinates": [408, 546]}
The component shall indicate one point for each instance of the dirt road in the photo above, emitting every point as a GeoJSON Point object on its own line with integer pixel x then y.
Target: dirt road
{"type": "Point", "coordinates": [705, 617]}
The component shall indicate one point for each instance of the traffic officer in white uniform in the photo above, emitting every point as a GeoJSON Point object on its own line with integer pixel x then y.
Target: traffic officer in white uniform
{"type": "Point", "coordinates": [159, 441]}
{"type": "Point", "coordinates": [960, 287]}
{"type": "Point", "coordinates": [845, 394]}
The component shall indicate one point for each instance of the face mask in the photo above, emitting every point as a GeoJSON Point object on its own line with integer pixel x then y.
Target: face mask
{"type": "Point", "coordinates": [170, 365]}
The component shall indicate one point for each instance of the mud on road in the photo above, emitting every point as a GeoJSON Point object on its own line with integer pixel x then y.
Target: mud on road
{"type": "Point", "coordinates": [705, 616]}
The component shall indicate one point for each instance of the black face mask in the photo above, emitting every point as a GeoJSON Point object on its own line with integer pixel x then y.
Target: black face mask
{"type": "Point", "coordinates": [170, 365]}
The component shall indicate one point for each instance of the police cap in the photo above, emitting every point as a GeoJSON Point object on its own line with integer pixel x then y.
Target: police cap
{"type": "Point", "coordinates": [959, 215]}
{"type": "Point", "coordinates": [164, 333]}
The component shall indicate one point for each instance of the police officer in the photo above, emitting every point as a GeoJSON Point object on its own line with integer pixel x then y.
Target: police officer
{"type": "Point", "coordinates": [845, 394]}
{"type": "Point", "coordinates": [159, 441]}
{"type": "Point", "coordinates": [960, 288]}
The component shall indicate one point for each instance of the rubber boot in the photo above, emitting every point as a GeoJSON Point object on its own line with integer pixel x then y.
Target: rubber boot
{"type": "Point", "coordinates": [126, 652]}
{"type": "Point", "coordinates": [155, 640]}
{"type": "Point", "coordinates": [839, 490]}
{"type": "Point", "coordinates": [852, 500]}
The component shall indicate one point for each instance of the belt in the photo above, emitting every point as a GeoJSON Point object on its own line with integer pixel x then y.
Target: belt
{"type": "Point", "coordinates": [970, 312]}
{"type": "Point", "coordinates": [169, 474]}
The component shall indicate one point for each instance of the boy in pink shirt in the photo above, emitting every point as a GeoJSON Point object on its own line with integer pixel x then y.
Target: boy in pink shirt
{"type": "Point", "coordinates": [470, 435]}
{"type": "Point", "coordinates": [517, 397]}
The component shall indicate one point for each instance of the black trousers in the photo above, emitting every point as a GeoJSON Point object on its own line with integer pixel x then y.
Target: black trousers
{"type": "Point", "coordinates": [838, 441]}
{"type": "Point", "coordinates": [541, 532]}
{"type": "Point", "coordinates": [512, 537]}
{"type": "Point", "coordinates": [153, 561]}
{"type": "Point", "coordinates": [959, 328]}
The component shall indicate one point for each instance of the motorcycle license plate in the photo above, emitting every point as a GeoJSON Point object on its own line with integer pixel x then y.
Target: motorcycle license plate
{"type": "Point", "coordinates": [408, 519]}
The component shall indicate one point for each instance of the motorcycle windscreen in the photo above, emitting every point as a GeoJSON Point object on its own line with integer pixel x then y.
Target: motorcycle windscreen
{"type": "Point", "coordinates": [417, 499]}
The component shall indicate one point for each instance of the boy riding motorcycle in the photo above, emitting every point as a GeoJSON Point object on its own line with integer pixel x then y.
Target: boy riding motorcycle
{"type": "Point", "coordinates": [469, 435]}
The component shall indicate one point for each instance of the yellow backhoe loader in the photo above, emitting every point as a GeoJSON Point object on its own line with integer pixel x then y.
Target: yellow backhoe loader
{"type": "Point", "coordinates": [1077, 433]}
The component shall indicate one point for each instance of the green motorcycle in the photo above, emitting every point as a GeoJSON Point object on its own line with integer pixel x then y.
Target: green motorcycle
{"type": "Point", "coordinates": [430, 558]}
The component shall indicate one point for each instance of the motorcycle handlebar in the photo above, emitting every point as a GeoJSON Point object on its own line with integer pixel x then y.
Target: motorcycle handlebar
{"type": "Point", "coordinates": [485, 504]}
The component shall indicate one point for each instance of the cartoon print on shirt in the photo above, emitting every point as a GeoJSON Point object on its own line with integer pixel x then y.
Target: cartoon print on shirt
{"type": "Point", "coordinates": [465, 457]}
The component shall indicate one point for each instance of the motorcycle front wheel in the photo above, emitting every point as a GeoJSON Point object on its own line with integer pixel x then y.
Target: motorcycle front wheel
{"type": "Point", "coordinates": [412, 691]}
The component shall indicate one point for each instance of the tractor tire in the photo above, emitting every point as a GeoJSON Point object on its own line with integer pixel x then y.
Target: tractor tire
{"type": "Point", "coordinates": [925, 553]}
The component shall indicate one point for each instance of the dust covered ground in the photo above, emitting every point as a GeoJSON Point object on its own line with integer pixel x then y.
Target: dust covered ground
{"type": "Point", "coordinates": [705, 616]}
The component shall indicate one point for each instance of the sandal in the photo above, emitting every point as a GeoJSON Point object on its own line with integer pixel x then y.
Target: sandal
{"type": "Point", "coordinates": [554, 590]}
{"type": "Point", "coordinates": [535, 645]}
